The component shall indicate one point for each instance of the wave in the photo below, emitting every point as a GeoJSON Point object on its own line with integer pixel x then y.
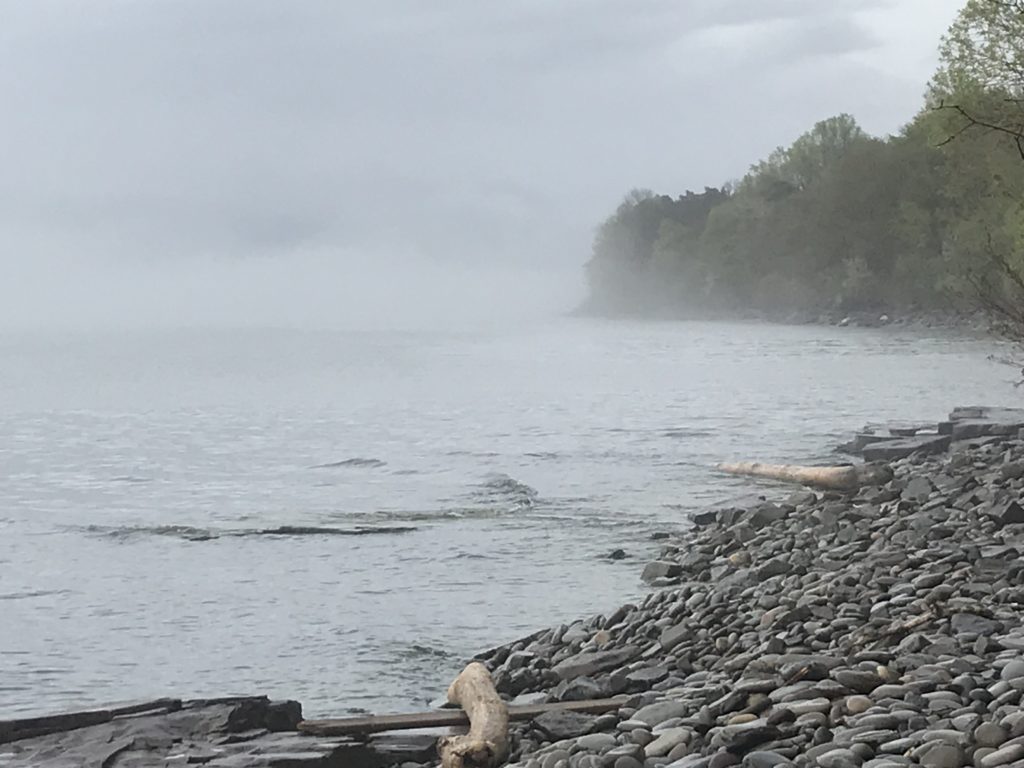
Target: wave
{"type": "Point", "coordinates": [683, 432]}
{"type": "Point", "coordinates": [190, 533]}
{"type": "Point", "coordinates": [506, 490]}
{"type": "Point", "coordinates": [34, 593]}
{"type": "Point", "coordinates": [356, 461]}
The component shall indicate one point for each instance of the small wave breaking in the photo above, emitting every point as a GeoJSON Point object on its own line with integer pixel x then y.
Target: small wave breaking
{"type": "Point", "coordinates": [356, 461]}
{"type": "Point", "coordinates": [504, 491]}
{"type": "Point", "coordinates": [191, 533]}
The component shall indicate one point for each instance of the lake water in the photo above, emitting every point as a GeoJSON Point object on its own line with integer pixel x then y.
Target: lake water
{"type": "Point", "coordinates": [136, 468]}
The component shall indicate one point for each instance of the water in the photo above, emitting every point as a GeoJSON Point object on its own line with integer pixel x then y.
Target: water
{"type": "Point", "coordinates": [138, 470]}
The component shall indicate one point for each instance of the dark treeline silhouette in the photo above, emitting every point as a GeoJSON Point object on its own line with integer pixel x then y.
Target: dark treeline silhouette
{"type": "Point", "coordinates": [842, 221]}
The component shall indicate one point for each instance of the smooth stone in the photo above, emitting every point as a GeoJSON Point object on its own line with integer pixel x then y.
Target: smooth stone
{"type": "Point", "coordinates": [679, 751]}
{"type": "Point", "coordinates": [596, 742]}
{"type": "Point", "coordinates": [839, 758]}
{"type": "Point", "coordinates": [1007, 754]}
{"type": "Point", "coordinates": [630, 725]}
{"type": "Point", "coordinates": [855, 705]}
{"type": "Point", "coordinates": [883, 721]}
{"type": "Point", "coordinates": [942, 755]}
{"type": "Point", "coordinates": [653, 714]}
{"type": "Point", "coordinates": [990, 735]}
{"type": "Point", "coordinates": [741, 719]}
{"type": "Point", "coordinates": [898, 746]}
{"type": "Point", "coordinates": [723, 759]}
{"type": "Point", "coordinates": [799, 708]}
{"type": "Point", "coordinates": [647, 676]}
{"type": "Point", "coordinates": [857, 680]}
{"type": "Point", "coordinates": [553, 758]}
{"type": "Point", "coordinates": [564, 725]}
{"type": "Point", "coordinates": [664, 744]}
{"type": "Point", "coordinates": [628, 762]}
{"type": "Point", "coordinates": [641, 736]}
{"type": "Point", "coordinates": [627, 750]}
{"type": "Point", "coordinates": [764, 759]}
{"type": "Point", "coordinates": [1013, 670]}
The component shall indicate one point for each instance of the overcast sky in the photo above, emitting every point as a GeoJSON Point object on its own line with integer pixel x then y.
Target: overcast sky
{"type": "Point", "coordinates": [400, 141]}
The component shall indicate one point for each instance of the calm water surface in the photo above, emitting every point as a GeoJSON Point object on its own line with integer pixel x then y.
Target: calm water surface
{"type": "Point", "coordinates": [135, 469]}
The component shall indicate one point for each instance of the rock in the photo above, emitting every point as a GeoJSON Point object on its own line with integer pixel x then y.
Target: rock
{"type": "Point", "coordinates": [893, 450]}
{"type": "Point", "coordinates": [628, 762]}
{"type": "Point", "coordinates": [1007, 754]}
{"type": "Point", "coordinates": [942, 755]}
{"type": "Point", "coordinates": [766, 514]}
{"type": "Point", "coordinates": [673, 636]}
{"type": "Point", "coordinates": [666, 741]}
{"type": "Point", "coordinates": [970, 622]}
{"type": "Point", "coordinates": [1010, 514]}
{"type": "Point", "coordinates": [990, 735]}
{"type": "Point", "coordinates": [589, 663]}
{"type": "Point", "coordinates": [555, 759]}
{"type": "Point", "coordinates": [1013, 470]}
{"type": "Point", "coordinates": [856, 680]}
{"type": "Point", "coordinates": [596, 742]}
{"type": "Point", "coordinates": [855, 705]}
{"type": "Point", "coordinates": [1012, 670]}
{"type": "Point", "coordinates": [655, 714]}
{"type": "Point", "coordinates": [647, 676]}
{"type": "Point", "coordinates": [762, 759]}
{"type": "Point", "coordinates": [617, 554]}
{"type": "Point", "coordinates": [661, 569]}
{"type": "Point", "coordinates": [641, 736]}
{"type": "Point", "coordinates": [839, 758]}
{"type": "Point", "coordinates": [564, 725]}
{"type": "Point", "coordinates": [581, 689]}
{"type": "Point", "coordinates": [777, 566]}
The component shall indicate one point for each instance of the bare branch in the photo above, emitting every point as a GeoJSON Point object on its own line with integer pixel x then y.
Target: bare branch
{"type": "Point", "coordinates": [972, 121]}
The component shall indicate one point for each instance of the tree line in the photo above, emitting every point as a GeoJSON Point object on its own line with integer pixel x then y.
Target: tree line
{"type": "Point", "coordinates": [841, 221]}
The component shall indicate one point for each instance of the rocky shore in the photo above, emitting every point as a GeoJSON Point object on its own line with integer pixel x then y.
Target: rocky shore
{"type": "Point", "coordinates": [875, 629]}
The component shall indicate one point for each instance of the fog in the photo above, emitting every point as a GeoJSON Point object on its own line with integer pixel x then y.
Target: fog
{"type": "Point", "coordinates": [392, 163]}
{"type": "Point", "coordinates": [310, 287]}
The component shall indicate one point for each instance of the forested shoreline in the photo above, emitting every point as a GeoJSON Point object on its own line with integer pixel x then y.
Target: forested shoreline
{"type": "Point", "coordinates": [844, 222]}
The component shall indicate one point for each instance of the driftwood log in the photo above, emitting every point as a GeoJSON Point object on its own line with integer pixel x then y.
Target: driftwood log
{"type": "Point", "coordinates": [440, 718]}
{"type": "Point", "coordinates": [844, 478]}
{"type": "Point", "coordinates": [486, 744]}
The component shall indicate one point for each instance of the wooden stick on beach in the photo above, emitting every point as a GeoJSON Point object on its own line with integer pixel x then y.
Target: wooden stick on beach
{"type": "Point", "coordinates": [845, 478]}
{"type": "Point", "coordinates": [486, 744]}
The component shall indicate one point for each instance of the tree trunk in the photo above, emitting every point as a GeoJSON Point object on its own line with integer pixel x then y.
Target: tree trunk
{"type": "Point", "coordinates": [848, 478]}
{"type": "Point", "coordinates": [486, 744]}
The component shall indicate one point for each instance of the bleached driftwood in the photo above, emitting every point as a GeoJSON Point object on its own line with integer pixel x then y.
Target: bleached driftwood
{"type": "Point", "coordinates": [844, 478]}
{"type": "Point", "coordinates": [486, 744]}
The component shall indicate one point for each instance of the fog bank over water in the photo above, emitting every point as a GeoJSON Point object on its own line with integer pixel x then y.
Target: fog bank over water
{"type": "Point", "coordinates": [316, 163]}
{"type": "Point", "coordinates": [305, 288]}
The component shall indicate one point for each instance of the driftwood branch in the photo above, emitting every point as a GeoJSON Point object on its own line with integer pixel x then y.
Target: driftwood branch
{"type": "Point", "coordinates": [442, 718]}
{"type": "Point", "coordinates": [486, 744]}
{"type": "Point", "coordinates": [846, 478]}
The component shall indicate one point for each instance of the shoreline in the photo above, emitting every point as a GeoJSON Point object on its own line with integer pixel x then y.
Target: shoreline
{"type": "Point", "coordinates": [873, 629]}
{"type": "Point", "coordinates": [971, 324]}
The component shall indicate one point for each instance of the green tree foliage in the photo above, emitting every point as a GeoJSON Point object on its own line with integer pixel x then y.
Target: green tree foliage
{"type": "Point", "coordinates": [842, 221]}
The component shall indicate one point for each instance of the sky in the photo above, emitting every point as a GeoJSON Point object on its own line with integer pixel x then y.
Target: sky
{"type": "Point", "coordinates": [323, 161]}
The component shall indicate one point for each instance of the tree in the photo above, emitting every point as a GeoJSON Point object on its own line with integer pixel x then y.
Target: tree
{"type": "Point", "coordinates": [981, 78]}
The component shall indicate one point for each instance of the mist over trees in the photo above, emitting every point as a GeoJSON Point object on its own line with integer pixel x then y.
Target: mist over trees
{"type": "Point", "coordinates": [841, 221]}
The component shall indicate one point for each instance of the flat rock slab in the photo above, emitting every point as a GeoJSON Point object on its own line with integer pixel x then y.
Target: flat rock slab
{"type": "Point", "coordinates": [891, 450]}
{"type": "Point", "coordinates": [591, 663]}
{"type": "Point", "coordinates": [222, 733]}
